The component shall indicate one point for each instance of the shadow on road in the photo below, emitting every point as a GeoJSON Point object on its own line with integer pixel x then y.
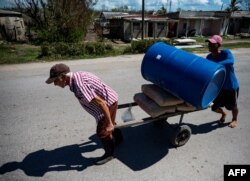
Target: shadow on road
{"type": "Point", "coordinates": [206, 127]}
{"type": "Point", "coordinates": [143, 146]}
{"type": "Point", "coordinates": [147, 144]}
{"type": "Point", "coordinates": [61, 159]}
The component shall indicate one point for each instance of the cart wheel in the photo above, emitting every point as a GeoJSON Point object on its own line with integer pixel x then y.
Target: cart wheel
{"type": "Point", "coordinates": [181, 136]}
{"type": "Point", "coordinates": [117, 134]}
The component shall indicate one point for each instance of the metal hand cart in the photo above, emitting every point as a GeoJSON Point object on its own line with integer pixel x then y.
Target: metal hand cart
{"type": "Point", "coordinates": [182, 132]}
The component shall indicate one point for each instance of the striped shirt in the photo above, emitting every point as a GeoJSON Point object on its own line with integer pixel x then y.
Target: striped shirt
{"type": "Point", "coordinates": [86, 86]}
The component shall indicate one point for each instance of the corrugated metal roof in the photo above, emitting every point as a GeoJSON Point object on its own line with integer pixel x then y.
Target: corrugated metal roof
{"type": "Point", "coordinates": [201, 17]}
{"type": "Point", "coordinates": [240, 14]}
{"type": "Point", "coordinates": [4, 12]}
{"type": "Point", "coordinates": [110, 15]}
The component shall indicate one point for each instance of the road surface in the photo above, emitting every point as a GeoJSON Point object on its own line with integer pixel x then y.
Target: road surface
{"type": "Point", "coordinates": [46, 135]}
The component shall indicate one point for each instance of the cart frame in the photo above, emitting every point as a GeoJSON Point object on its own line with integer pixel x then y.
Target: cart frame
{"type": "Point", "coordinates": [182, 132]}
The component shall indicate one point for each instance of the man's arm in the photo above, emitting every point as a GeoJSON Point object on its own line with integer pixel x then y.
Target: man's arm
{"type": "Point", "coordinates": [101, 103]}
{"type": "Point", "coordinates": [229, 58]}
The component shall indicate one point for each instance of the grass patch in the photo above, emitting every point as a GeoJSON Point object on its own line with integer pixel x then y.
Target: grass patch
{"type": "Point", "coordinates": [237, 45]}
{"type": "Point", "coordinates": [18, 53]}
{"type": "Point", "coordinates": [11, 53]}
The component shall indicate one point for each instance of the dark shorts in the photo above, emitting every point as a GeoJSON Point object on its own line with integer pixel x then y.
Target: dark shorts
{"type": "Point", "coordinates": [227, 99]}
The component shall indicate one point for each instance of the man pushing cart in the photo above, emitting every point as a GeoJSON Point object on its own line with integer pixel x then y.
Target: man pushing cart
{"type": "Point", "coordinates": [182, 83]}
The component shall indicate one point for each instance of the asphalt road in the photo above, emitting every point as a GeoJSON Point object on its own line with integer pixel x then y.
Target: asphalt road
{"type": "Point", "coordinates": [46, 135]}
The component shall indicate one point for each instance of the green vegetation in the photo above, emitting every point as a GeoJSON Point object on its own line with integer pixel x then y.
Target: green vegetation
{"type": "Point", "coordinates": [11, 53]}
{"type": "Point", "coordinates": [18, 53]}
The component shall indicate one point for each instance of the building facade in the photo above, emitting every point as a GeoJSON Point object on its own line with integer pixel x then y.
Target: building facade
{"type": "Point", "coordinates": [12, 26]}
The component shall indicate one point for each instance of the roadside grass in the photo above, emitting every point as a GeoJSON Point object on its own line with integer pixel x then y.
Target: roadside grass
{"type": "Point", "coordinates": [118, 50]}
{"type": "Point", "coordinates": [11, 53]}
{"type": "Point", "coordinates": [18, 53]}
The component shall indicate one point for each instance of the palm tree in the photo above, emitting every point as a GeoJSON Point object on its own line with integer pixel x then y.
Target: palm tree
{"type": "Point", "coordinates": [233, 6]}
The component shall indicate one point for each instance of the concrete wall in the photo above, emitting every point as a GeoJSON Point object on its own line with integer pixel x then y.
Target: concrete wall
{"type": "Point", "coordinates": [12, 28]}
{"type": "Point", "coordinates": [202, 26]}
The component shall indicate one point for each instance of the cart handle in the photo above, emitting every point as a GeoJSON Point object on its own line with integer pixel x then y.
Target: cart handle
{"type": "Point", "coordinates": [127, 105]}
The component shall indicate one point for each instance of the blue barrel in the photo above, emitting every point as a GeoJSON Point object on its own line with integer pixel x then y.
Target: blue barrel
{"type": "Point", "coordinates": [194, 79]}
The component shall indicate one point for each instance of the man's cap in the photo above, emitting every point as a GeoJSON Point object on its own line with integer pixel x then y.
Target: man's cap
{"type": "Point", "coordinates": [56, 71]}
{"type": "Point", "coordinates": [215, 39]}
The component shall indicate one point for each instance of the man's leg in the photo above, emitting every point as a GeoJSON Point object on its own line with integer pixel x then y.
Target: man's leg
{"type": "Point", "coordinates": [108, 146]}
{"type": "Point", "coordinates": [117, 134]}
{"type": "Point", "coordinates": [107, 142]}
{"type": "Point", "coordinates": [235, 111]}
{"type": "Point", "coordinates": [218, 104]}
{"type": "Point", "coordinates": [232, 105]}
{"type": "Point", "coordinates": [223, 114]}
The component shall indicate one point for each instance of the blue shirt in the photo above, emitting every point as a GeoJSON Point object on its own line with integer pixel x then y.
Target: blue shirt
{"type": "Point", "coordinates": [225, 58]}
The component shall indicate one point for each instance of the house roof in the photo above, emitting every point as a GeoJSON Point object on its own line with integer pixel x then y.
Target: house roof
{"type": "Point", "coordinates": [201, 17]}
{"type": "Point", "coordinates": [241, 14]}
{"type": "Point", "coordinates": [4, 13]}
{"type": "Point", "coordinates": [197, 14]}
{"type": "Point", "coordinates": [110, 15]}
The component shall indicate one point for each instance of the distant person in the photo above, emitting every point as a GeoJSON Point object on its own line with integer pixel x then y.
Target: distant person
{"type": "Point", "coordinates": [229, 93]}
{"type": "Point", "coordinates": [96, 97]}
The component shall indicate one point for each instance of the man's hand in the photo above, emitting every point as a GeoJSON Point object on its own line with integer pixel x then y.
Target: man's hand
{"type": "Point", "coordinates": [108, 123]}
{"type": "Point", "coordinates": [110, 127]}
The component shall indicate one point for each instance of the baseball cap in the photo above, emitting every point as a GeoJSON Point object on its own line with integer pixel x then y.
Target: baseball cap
{"type": "Point", "coordinates": [55, 71]}
{"type": "Point", "coordinates": [215, 39]}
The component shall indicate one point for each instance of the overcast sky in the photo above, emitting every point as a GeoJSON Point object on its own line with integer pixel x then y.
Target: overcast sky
{"type": "Point", "coordinates": [204, 5]}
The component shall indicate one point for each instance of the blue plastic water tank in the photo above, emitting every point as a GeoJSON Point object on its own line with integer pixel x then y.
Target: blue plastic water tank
{"type": "Point", "coordinates": [194, 79]}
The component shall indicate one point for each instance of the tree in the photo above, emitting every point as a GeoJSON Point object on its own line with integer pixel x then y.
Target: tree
{"type": "Point", "coordinates": [162, 11]}
{"type": "Point", "coordinates": [58, 20]}
{"type": "Point", "coordinates": [233, 6]}
{"type": "Point", "coordinates": [121, 9]}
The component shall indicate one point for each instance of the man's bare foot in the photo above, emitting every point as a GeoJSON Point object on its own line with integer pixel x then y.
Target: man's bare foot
{"type": "Point", "coordinates": [233, 124]}
{"type": "Point", "coordinates": [223, 118]}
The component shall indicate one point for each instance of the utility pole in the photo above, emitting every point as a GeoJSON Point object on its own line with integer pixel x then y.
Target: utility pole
{"type": "Point", "coordinates": [142, 19]}
{"type": "Point", "coordinates": [170, 4]}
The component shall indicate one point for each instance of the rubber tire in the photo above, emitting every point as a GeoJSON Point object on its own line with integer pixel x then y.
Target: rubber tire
{"type": "Point", "coordinates": [181, 135]}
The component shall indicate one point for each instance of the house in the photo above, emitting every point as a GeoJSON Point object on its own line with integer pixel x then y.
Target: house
{"type": "Point", "coordinates": [105, 17]}
{"type": "Point", "coordinates": [239, 22]}
{"type": "Point", "coordinates": [12, 26]}
{"type": "Point", "coordinates": [191, 23]}
{"type": "Point", "coordinates": [129, 27]}
{"type": "Point", "coordinates": [177, 24]}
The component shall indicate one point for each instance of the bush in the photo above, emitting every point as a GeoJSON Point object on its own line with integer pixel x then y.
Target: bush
{"type": "Point", "coordinates": [128, 50]}
{"type": "Point", "coordinates": [45, 50]}
{"type": "Point", "coordinates": [90, 48]}
{"type": "Point", "coordinates": [61, 48]}
{"type": "Point", "coordinates": [75, 49]}
{"type": "Point", "coordinates": [100, 48]}
{"type": "Point", "coordinates": [53, 35]}
{"type": "Point", "coordinates": [109, 47]}
{"type": "Point", "coordinates": [143, 45]}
